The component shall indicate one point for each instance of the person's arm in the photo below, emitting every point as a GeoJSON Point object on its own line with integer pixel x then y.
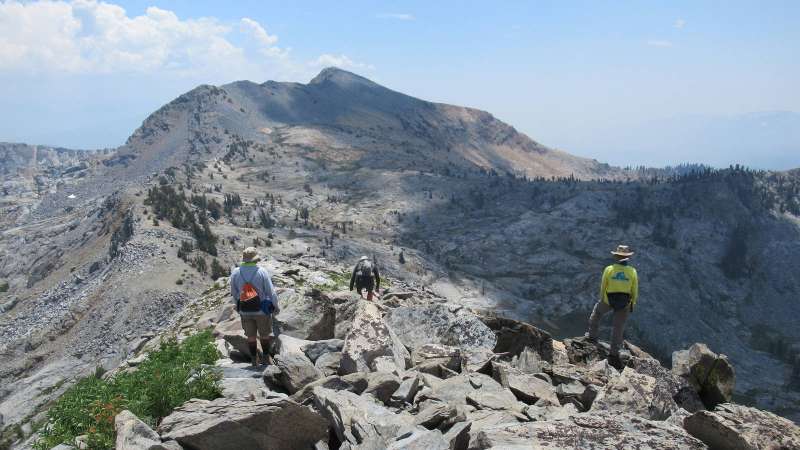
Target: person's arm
{"type": "Point", "coordinates": [234, 288]}
{"type": "Point", "coordinates": [353, 278]}
{"type": "Point", "coordinates": [269, 289]}
{"type": "Point", "coordinates": [604, 286]}
{"type": "Point", "coordinates": [634, 289]}
{"type": "Point", "coordinates": [377, 277]}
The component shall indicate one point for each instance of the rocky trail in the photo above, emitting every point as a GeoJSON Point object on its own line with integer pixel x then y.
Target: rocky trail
{"type": "Point", "coordinates": [412, 371]}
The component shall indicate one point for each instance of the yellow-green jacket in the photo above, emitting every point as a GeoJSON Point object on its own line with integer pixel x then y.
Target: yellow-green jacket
{"type": "Point", "coordinates": [619, 278]}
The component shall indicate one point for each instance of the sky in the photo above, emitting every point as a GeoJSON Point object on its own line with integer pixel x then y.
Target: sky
{"type": "Point", "coordinates": [625, 82]}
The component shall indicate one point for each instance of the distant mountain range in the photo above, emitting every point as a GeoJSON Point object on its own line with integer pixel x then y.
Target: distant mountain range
{"type": "Point", "coordinates": [763, 140]}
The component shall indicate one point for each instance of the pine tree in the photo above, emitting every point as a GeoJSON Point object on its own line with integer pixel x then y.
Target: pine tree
{"type": "Point", "coordinates": [217, 270]}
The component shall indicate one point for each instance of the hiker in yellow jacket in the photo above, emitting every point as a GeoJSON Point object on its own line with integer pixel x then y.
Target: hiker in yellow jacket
{"type": "Point", "coordinates": [619, 290]}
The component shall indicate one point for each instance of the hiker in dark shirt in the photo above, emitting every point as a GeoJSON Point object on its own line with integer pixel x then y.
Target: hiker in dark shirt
{"type": "Point", "coordinates": [365, 276]}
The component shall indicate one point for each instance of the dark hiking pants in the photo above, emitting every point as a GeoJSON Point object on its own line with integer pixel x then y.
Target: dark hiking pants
{"type": "Point", "coordinates": [368, 284]}
{"type": "Point", "coordinates": [620, 316]}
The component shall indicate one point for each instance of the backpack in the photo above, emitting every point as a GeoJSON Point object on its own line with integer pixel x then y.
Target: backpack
{"type": "Point", "coordinates": [249, 301]}
{"type": "Point", "coordinates": [365, 270]}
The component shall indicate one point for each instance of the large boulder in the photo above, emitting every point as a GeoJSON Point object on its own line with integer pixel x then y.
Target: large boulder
{"type": "Point", "coordinates": [710, 374]}
{"type": "Point", "coordinates": [332, 382]}
{"type": "Point", "coordinates": [526, 387]}
{"type": "Point", "coordinates": [529, 361]}
{"type": "Point", "coordinates": [434, 414]}
{"type": "Point", "coordinates": [737, 427]}
{"type": "Point", "coordinates": [243, 388]}
{"type": "Point", "coordinates": [133, 434]}
{"type": "Point", "coordinates": [346, 305]}
{"type": "Point", "coordinates": [667, 383]}
{"type": "Point", "coordinates": [580, 350]}
{"type": "Point", "coordinates": [475, 389]}
{"type": "Point", "coordinates": [382, 385]}
{"type": "Point", "coordinates": [305, 316]}
{"type": "Point", "coordinates": [435, 354]}
{"type": "Point", "coordinates": [457, 436]}
{"type": "Point", "coordinates": [483, 419]}
{"type": "Point", "coordinates": [369, 339]}
{"type": "Point", "coordinates": [296, 371]}
{"type": "Point", "coordinates": [514, 336]}
{"type": "Point", "coordinates": [359, 420]}
{"type": "Point", "coordinates": [587, 431]}
{"type": "Point", "coordinates": [550, 412]}
{"type": "Point", "coordinates": [224, 424]}
{"type": "Point", "coordinates": [315, 349]}
{"type": "Point", "coordinates": [285, 344]}
{"type": "Point", "coordinates": [406, 391]}
{"type": "Point", "coordinates": [635, 393]}
{"type": "Point", "coordinates": [328, 364]}
{"type": "Point", "coordinates": [231, 331]}
{"type": "Point", "coordinates": [444, 324]}
{"type": "Point", "coordinates": [420, 439]}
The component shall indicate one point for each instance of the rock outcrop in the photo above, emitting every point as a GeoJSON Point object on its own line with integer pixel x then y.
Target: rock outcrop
{"type": "Point", "coordinates": [711, 374]}
{"type": "Point", "coordinates": [296, 371]}
{"type": "Point", "coordinates": [305, 317]}
{"type": "Point", "coordinates": [378, 389]}
{"type": "Point", "coordinates": [444, 324]}
{"type": "Point", "coordinates": [235, 424]}
{"type": "Point", "coordinates": [588, 431]}
{"type": "Point", "coordinates": [357, 420]}
{"type": "Point", "coordinates": [133, 434]}
{"type": "Point", "coordinates": [737, 427]}
{"type": "Point", "coordinates": [370, 339]}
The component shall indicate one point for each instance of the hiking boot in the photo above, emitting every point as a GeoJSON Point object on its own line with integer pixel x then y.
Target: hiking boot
{"type": "Point", "coordinates": [254, 360]}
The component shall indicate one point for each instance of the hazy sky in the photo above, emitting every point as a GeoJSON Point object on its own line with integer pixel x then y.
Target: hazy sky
{"type": "Point", "coordinates": [609, 80]}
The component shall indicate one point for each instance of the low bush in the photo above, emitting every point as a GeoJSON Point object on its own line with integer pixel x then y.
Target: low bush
{"type": "Point", "coordinates": [166, 379]}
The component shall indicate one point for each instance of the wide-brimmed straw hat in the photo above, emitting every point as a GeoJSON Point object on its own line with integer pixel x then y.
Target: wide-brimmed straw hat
{"type": "Point", "coordinates": [622, 251]}
{"type": "Point", "coordinates": [250, 254]}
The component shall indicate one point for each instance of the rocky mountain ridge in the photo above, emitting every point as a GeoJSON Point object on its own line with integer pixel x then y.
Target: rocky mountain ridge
{"type": "Point", "coordinates": [412, 371]}
{"type": "Point", "coordinates": [340, 167]}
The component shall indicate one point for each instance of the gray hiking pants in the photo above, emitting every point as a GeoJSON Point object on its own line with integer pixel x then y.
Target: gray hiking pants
{"type": "Point", "coordinates": [620, 316]}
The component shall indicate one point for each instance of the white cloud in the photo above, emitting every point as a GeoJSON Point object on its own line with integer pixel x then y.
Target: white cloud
{"type": "Point", "coordinates": [340, 61]}
{"type": "Point", "coordinates": [659, 43]}
{"type": "Point", "coordinates": [259, 33]}
{"type": "Point", "coordinates": [95, 37]}
{"type": "Point", "coordinates": [396, 16]}
{"type": "Point", "coordinates": [679, 23]}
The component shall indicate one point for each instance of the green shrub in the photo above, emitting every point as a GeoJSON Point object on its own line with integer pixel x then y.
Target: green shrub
{"type": "Point", "coordinates": [166, 379]}
{"type": "Point", "coordinates": [4, 287]}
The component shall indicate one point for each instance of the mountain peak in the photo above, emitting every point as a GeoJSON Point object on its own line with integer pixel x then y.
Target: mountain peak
{"type": "Point", "coordinates": [338, 76]}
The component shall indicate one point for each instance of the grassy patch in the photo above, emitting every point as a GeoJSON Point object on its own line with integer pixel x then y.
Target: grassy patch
{"type": "Point", "coordinates": [341, 280]}
{"type": "Point", "coordinates": [168, 377]}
